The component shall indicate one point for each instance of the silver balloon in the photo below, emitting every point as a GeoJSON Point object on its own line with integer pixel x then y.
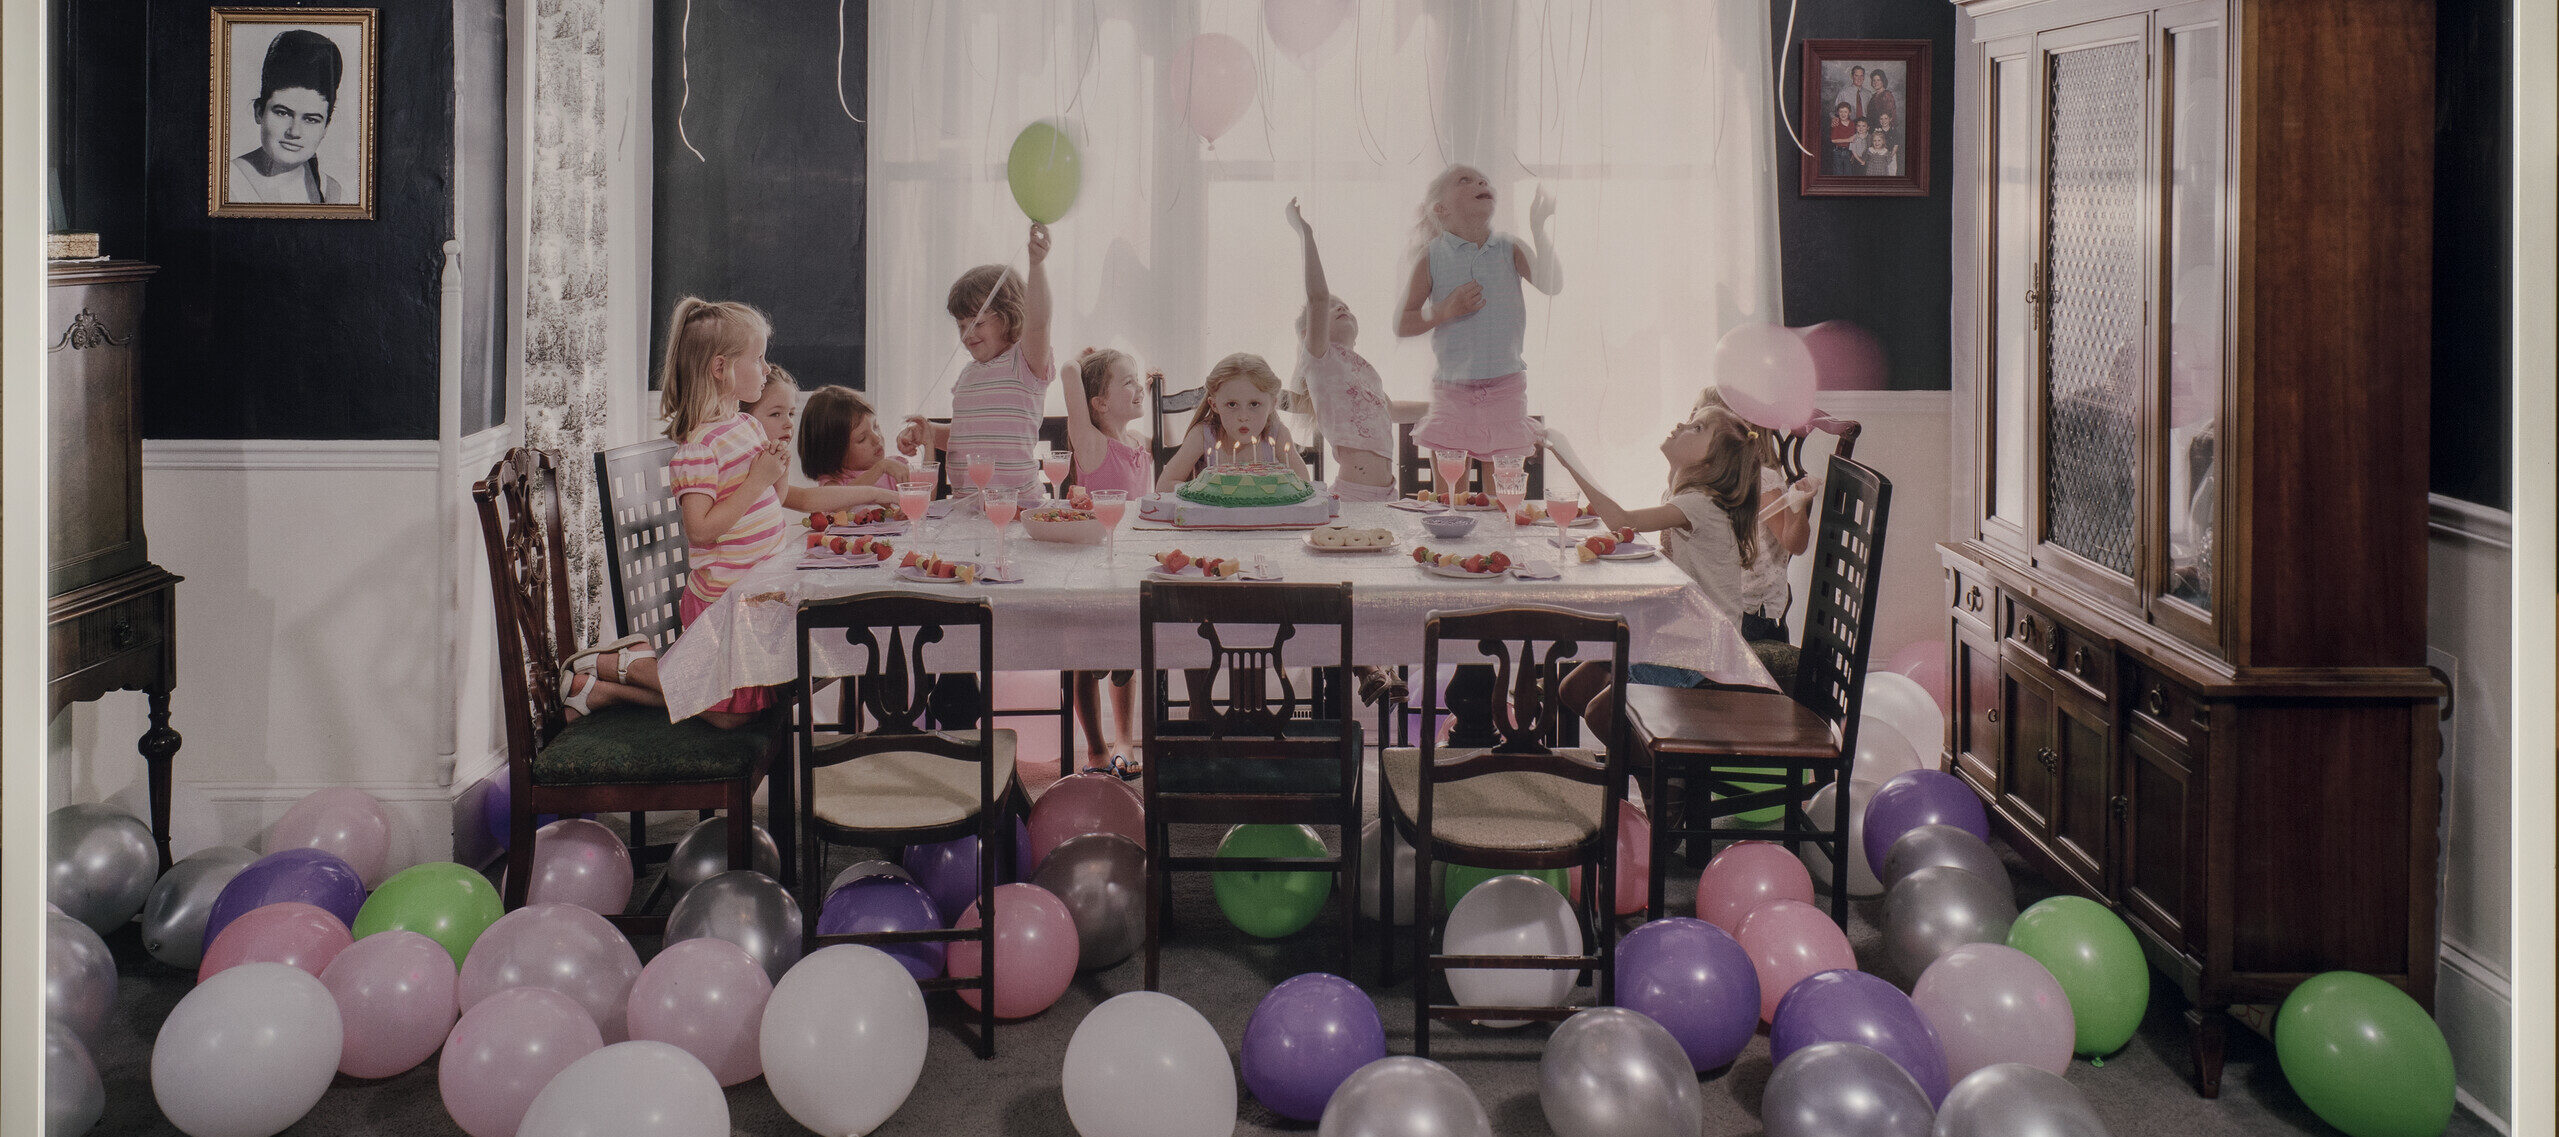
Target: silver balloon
{"type": "Point", "coordinates": [745, 908]}
{"type": "Point", "coordinates": [1404, 1096]}
{"type": "Point", "coordinates": [173, 919]}
{"type": "Point", "coordinates": [1938, 909]}
{"type": "Point", "coordinates": [74, 1098]}
{"type": "Point", "coordinates": [100, 865]}
{"type": "Point", "coordinates": [1102, 879]}
{"type": "Point", "coordinates": [1612, 1072]}
{"type": "Point", "coordinates": [1930, 845]}
{"type": "Point", "coordinates": [704, 853]}
{"type": "Point", "coordinates": [1373, 842]}
{"type": "Point", "coordinates": [79, 978]}
{"type": "Point", "coordinates": [1831, 1088]}
{"type": "Point", "coordinates": [2012, 1099]}
{"type": "Point", "coordinates": [862, 869]}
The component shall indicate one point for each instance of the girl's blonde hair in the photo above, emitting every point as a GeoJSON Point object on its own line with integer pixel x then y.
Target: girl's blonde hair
{"type": "Point", "coordinates": [1093, 369]}
{"type": "Point", "coordinates": [1728, 474]}
{"type": "Point", "coordinates": [826, 428]}
{"type": "Point", "coordinates": [1242, 365]}
{"type": "Point", "coordinates": [698, 332]}
{"type": "Point", "coordinates": [1426, 223]}
{"type": "Point", "coordinates": [1713, 396]}
{"type": "Point", "coordinates": [991, 288]}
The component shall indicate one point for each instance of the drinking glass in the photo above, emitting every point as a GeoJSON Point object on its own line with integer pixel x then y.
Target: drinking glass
{"type": "Point", "coordinates": [1451, 466]}
{"type": "Point", "coordinates": [1110, 506]}
{"type": "Point", "coordinates": [1001, 505]}
{"type": "Point", "coordinates": [1510, 486]}
{"type": "Point", "coordinates": [981, 470]}
{"type": "Point", "coordinates": [1053, 465]}
{"type": "Point", "coordinates": [1563, 504]}
{"type": "Point", "coordinates": [913, 498]}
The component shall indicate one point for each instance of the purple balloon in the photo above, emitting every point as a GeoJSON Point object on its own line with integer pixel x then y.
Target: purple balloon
{"type": "Point", "coordinates": [1308, 1035]}
{"type": "Point", "coordinates": [1022, 866]}
{"type": "Point", "coordinates": [947, 872]}
{"type": "Point", "coordinates": [1694, 979]}
{"type": "Point", "coordinates": [886, 904]}
{"type": "Point", "coordinates": [321, 879]}
{"type": "Point", "coordinates": [1852, 1006]}
{"type": "Point", "coordinates": [500, 798]}
{"type": "Point", "coordinates": [1915, 798]}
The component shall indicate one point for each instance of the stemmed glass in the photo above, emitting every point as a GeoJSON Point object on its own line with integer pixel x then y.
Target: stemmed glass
{"type": "Point", "coordinates": [1451, 467]}
{"type": "Point", "coordinates": [981, 470]}
{"type": "Point", "coordinates": [1510, 485]}
{"type": "Point", "coordinates": [1110, 506]}
{"type": "Point", "coordinates": [913, 498]}
{"type": "Point", "coordinates": [1563, 504]}
{"type": "Point", "coordinates": [1001, 505]}
{"type": "Point", "coordinates": [928, 471]}
{"type": "Point", "coordinates": [1053, 466]}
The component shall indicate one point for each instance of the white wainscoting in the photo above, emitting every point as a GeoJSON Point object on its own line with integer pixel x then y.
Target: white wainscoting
{"type": "Point", "coordinates": [2469, 618]}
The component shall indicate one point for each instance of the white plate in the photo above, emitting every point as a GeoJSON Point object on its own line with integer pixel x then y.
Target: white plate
{"type": "Point", "coordinates": [1462, 574]}
{"type": "Point", "coordinates": [1496, 507]}
{"type": "Point", "coordinates": [1312, 547]}
{"type": "Point", "coordinates": [1631, 551]}
{"type": "Point", "coordinates": [889, 528]}
{"type": "Point", "coordinates": [909, 573]}
{"type": "Point", "coordinates": [1408, 505]}
{"type": "Point", "coordinates": [1192, 572]}
{"type": "Point", "coordinates": [839, 561]}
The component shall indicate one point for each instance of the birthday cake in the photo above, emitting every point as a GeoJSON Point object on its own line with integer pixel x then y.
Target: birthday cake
{"type": "Point", "coordinates": [1242, 496]}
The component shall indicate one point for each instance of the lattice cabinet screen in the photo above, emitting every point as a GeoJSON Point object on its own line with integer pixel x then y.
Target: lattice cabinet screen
{"type": "Point", "coordinates": [2093, 279]}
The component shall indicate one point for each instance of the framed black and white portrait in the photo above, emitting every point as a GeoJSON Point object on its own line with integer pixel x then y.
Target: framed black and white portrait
{"type": "Point", "coordinates": [291, 129]}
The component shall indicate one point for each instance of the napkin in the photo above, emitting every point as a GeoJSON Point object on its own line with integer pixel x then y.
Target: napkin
{"type": "Point", "coordinates": [1526, 571]}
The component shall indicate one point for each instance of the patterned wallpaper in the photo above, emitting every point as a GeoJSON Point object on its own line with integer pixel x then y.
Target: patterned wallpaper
{"type": "Point", "coordinates": [565, 277]}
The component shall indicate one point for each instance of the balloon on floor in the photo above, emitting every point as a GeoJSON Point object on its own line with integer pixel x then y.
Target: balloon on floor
{"type": "Point", "coordinates": [291, 933]}
{"type": "Point", "coordinates": [79, 978]}
{"type": "Point", "coordinates": [1746, 875]}
{"type": "Point", "coordinates": [947, 870]}
{"type": "Point", "coordinates": [310, 876]}
{"type": "Point", "coordinates": [843, 1008]}
{"type": "Point", "coordinates": [100, 864]}
{"type": "Point", "coordinates": [2014, 1100]}
{"type": "Point", "coordinates": [341, 820]}
{"type": "Point", "coordinates": [1634, 861]}
{"type": "Point", "coordinates": [1145, 1064]}
{"type": "Point", "coordinates": [2094, 957]}
{"type": "Point", "coordinates": [580, 862]}
{"type": "Point", "coordinates": [1790, 941]}
{"type": "Point", "coordinates": [881, 903]}
{"type": "Point", "coordinates": [703, 853]}
{"type": "Point", "coordinates": [1932, 845]}
{"type": "Point", "coordinates": [1456, 881]}
{"type": "Point", "coordinates": [638, 1089]}
{"type": "Point", "coordinates": [247, 1052]}
{"type": "Point", "coordinates": [1991, 1003]}
{"type": "Point", "coordinates": [1305, 1038]}
{"type": "Point", "coordinates": [1852, 1006]}
{"type": "Point", "coordinates": [1035, 951]}
{"type": "Point", "coordinates": [565, 949]}
{"type": "Point", "coordinates": [1898, 699]}
{"type": "Point", "coordinates": [440, 900]}
{"type": "Point", "coordinates": [1938, 909]}
{"type": "Point", "coordinates": [395, 993]}
{"type": "Point", "coordinates": [859, 869]}
{"type": "Point", "coordinates": [1694, 979]}
{"type": "Point", "coordinates": [1833, 1088]}
{"type": "Point", "coordinates": [1270, 903]}
{"type": "Point", "coordinates": [1609, 1071]}
{"type": "Point", "coordinates": [1089, 802]}
{"type": "Point", "coordinates": [2365, 1057]}
{"type": "Point", "coordinates": [173, 918]}
{"type": "Point", "coordinates": [1511, 915]}
{"type": "Point", "coordinates": [74, 1097]}
{"type": "Point", "coordinates": [1916, 798]}
{"type": "Point", "coordinates": [1101, 878]}
{"type": "Point", "coordinates": [1861, 876]}
{"type": "Point", "coordinates": [1402, 1096]}
{"type": "Point", "coordinates": [745, 908]}
{"type": "Point", "coordinates": [504, 1050]}
{"type": "Point", "coordinates": [706, 997]}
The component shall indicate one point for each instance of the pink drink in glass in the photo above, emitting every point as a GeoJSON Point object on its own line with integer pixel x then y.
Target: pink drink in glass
{"type": "Point", "coordinates": [912, 499]}
{"type": "Point", "coordinates": [1001, 505]}
{"type": "Point", "coordinates": [1451, 466]}
{"type": "Point", "coordinates": [1110, 506]}
{"type": "Point", "coordinates": [981, 470]}
{"type": "Point", "coordinates": [1563, 506]}
{"type": "Point", "coordinates": [1054, 467]}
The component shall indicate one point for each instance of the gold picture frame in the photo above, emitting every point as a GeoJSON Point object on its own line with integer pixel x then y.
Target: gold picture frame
{"type": "Point", "coordinates": [291, 108]}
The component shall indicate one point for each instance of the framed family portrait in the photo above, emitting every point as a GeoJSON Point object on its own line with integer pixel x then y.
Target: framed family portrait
{"type": "Point", "coordinates": [1865, 118]}
{"type": "Point", "coordinates": [290, 132]}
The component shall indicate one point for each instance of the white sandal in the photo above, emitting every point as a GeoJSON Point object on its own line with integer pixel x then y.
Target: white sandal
{"type": "Point", "coordinates": [632, 647]}
{"type": "Point", "coordinates": [575, 699]}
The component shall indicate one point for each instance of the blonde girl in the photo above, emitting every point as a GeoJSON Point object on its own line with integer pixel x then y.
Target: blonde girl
{"type": "Point", "coordinates": [997, 401]}
{"type": "Point", "coordinates": [1235, 410]}
{"type": "Point", "coordinates": [1340, 390]}
{"type": "Point", "coordinates": [1465, 292]}
{"type": "Point", "coordinates": [1105, 394]}
{"type": "Point", "coordinates": [840, 446]}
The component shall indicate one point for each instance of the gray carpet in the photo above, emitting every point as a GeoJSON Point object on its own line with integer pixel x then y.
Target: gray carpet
{"type": "Point", "coordinates": [1223, 974]}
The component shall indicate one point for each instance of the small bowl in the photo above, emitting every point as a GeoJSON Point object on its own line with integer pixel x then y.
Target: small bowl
{"type": "Point", "coordinates": [1449, 525]}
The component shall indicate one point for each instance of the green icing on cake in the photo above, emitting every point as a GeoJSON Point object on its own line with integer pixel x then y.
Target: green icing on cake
{"type": "Point", "coordinates": [1246, 487]}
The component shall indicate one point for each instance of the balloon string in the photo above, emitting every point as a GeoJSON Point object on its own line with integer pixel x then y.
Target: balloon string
{"type": "Point", "coordinates": [684, 60]}
{"type": "Point", "coordinates": [1777, 86]}
{"type": "Point", "coordinates": [840, 36]}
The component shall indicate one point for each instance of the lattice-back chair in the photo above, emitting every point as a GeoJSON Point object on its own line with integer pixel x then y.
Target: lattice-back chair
{"type": "Point", "coordinates": [1790, 447]}
{"type": "Point", "coordinates": [874, 774]}
{"type": "Point", "coordinates": [1413, 467]}
{"type": "Point", "coordinates": [619, 759]}
{"type": "Point", "coordinates": [645, 563]}
{"type": "Point", "coordinates": [1521, 804]}
{"type": "Point", "coordinates": [1264, 752]}
{"type": "Point", "coordinates": [1730, 744]}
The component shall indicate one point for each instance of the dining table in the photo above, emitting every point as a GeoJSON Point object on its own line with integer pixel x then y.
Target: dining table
{"type": "Point", "coordinates": [1074, 607]}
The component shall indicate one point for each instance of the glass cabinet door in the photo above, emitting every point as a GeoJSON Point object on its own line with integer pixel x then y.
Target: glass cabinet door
{"type": "Point", "coordinates": [2010, 380]}
{"type": "Point", "coordinates": [2187, 478]}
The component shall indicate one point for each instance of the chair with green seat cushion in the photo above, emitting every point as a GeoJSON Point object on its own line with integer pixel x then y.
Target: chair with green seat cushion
{"type": "Point", "coordinates": [1263, 752]}
{"type": "Point", "coordinates": [626, 759]}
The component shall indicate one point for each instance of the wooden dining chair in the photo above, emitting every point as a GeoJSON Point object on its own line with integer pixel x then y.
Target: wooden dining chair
{"type": "Point", "coordinates": [1521, 804]}
{"type": "Point", "coordinates": [619, 759]}
{"type": "Point", "coordinates": [874, 773]}
{"type": "Point", "coordinates": [646, 559]}
{"type": "Point", "coordinates": [1727, 746]}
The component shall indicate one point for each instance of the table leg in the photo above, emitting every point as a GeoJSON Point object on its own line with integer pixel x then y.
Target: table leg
{"type": "Point", "coordinates": [159, 747]}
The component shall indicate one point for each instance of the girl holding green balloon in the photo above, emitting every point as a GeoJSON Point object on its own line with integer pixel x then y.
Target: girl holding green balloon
{"type": "Point", "coordinates": [997, 401]}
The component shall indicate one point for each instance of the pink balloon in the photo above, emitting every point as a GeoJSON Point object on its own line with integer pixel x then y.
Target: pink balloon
{"type": "Point", "coordinates": [1211, 83]}
{"type": "Point", "coordinates": [1790, 941]}
{"type": "Point", "coordinates": [304, 935]}
{"type": "Point", "coordinates": [580, 862]}
{"type": "Point", "coordinates": [347, 822]}
{"type": "Point", "coordinates": [1766, 374]}
{"type": "Point", "coordinates": [560, 947]}
{"type": "Point", "coordinates": [1992, 1003]}
{"type": "Point", "coordinates": [706, 997]}
{"type": "Point", "coordinates": [395, 993]}
{"type": "Point", "coordinates": [1090, 802]}
{"type": "Point", "coordinates": [1302, 28]}
{"type": "Point", "coordinates": [1746, 875]}
{"type": "Point", "coordinates": [505, 1049]}
{"type": "Point", "coordinates": [1924, 661]}
{"type": "Point", "coordinates": [1846, 357]}
{"type": "Point", "coordinates": [1035, 951]}
{"type": "Point", "coordinates": [1634, 860]}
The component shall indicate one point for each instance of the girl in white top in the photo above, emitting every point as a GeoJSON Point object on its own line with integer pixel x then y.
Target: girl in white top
{"type": "Point", "coordinates": [1465, 292]}
{"type": "Point", "coordinates": [1340, 390]}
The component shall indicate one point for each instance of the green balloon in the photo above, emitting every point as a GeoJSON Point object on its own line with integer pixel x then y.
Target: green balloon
{"type": "Point", "coordinates": [1462, 879]}
{"type": "Point", "coordinates": [2365, 1057]}
{"type": "Point", "coordinates": [1759, 816]}
{"type": "Point", "coordinates": [1271, 904]}
{"type": "Point", "coordinates": [2099, 964]}
{"type": "Point", "coordinates": [444, 902]}
{"type": "Point", "coordinates": [1045, 171]}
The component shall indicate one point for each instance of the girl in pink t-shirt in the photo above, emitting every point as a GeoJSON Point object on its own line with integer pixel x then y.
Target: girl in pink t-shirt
{"type": "Point", "coordinates": [1104, 398]}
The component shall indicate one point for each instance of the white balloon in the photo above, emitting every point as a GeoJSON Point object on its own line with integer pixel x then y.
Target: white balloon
{"type": "Point", "coordinates": [1511, 915]}
{"type": "Point", "coordinates": [843, 1038]}
{"type": "Point", "coordinates": [646, 1089]}
{"type": "Point", "coordinates": [1144, 1064]}
{"type": "Point", "coordinates": [248, 1052]}
{"type": "Point", "coordinates": [1899, 699]}
{"type": "Point", "coordinates": [1883, 751]}
{"type": "Point", "coordinates": [1371, 839]}
{"type": "Point", "coordinates": [1861, 876]}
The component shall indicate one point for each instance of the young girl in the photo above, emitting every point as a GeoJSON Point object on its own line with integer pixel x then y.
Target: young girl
{"type": "Point", "coordinates": [1235, 412]}
{"type": "Point", "coordinates": [997, 401]}
{"type": "Point", "coordinates": [1108, 456]}
{"type": "Point", "coordinates": [1341, 391]}
{"type": "Point", "coordinates": [840, 443]}
{"type": "Point", "coordinates": [1785, 531]}
{"type": "Point", "coordinates": [1465, 293]}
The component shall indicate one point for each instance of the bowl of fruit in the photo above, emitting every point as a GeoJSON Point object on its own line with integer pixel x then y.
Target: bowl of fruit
{"type": "Point", "coordinates": [1449, 526]}
{"type": "Point", "coordinates": [1068, 521]}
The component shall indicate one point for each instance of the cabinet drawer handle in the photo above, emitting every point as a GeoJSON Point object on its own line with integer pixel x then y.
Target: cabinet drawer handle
{"type": "Point", "coordinates": [2153, 703]}
{"type": "Point", "coordinates": [2027, 629]}
{"type": "Point", "coordinates": [2050, 761]}
{"type": "Point", "coordinates": [1972, 598]}
{"type": "Point", "coordinates": [121, 636]}
{"type": "Point", "coordinates": [2079, 660]}
{"type": "Point", "coordinates": [2120, 804]}
{"type": "Point", "coordinates": [1991, 714]}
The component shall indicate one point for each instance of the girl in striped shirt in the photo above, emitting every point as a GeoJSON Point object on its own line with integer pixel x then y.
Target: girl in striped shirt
{"type": "Point", "coordinates": [997, 400]}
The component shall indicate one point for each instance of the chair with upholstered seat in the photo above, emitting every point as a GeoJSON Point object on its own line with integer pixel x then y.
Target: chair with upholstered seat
{"type": "Point", "coordinates": [1523, 804]}
{"type": "Point", "coordinates": [1262, 753]}
{"type": "Point", "coordinates": [625, 758]}
{"type": "Point", "coordinates": [1741, 750]}
{"type": "Point", "coordinates": [875, 774]}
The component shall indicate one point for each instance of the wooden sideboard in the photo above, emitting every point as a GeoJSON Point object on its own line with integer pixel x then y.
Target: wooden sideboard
{"type": "Point", "coordinates": [113, 625]}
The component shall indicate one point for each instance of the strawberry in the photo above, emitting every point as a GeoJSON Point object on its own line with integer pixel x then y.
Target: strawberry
{"type": "Point", "coordinates": [1626, 535]}
{"type": "Point", "coordinates": [819, 520]}
{"type": "Point", "coordinates": [1421, 554]}
{"type": "Point", "coordinates": [1479, 500]}
{"type": "Point", "coordinates": [881, 549]}
{"type": "Point", "coordinates": [836, 545]}
{"type": "Point", "coordinates": [1473, 564]}
{"type": "Point", "coordinates": [911, 559]}
{"type": "Point", "coordinates": [945, 569]}
{"type": "Point", "coordinates": [1498, 562]}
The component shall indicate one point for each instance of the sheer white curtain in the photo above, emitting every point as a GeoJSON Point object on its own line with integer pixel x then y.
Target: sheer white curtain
{"type": "Point", "coordinates": [1649, 120]}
